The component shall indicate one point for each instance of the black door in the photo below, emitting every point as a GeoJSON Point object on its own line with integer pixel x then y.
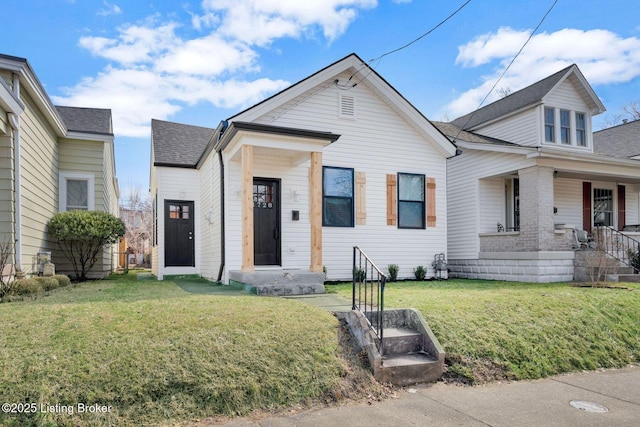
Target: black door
{"type": "Point", "coordinates": [266, 221]}
{"type": "Point", "coordinates": [178, 234]}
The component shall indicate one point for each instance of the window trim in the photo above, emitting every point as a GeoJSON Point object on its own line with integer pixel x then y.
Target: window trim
{"type": "Point", "coordinates": [64, 176]}
{"type": "Point", "coordinates": [352, 198]}
{"type": "Point", "coordinates": [424, 201]}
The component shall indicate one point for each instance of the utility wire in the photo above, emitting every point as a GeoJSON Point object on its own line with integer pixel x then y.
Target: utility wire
{"type": "Point", "coordinates": [346, 86]}
{"type": "Point", "coordinates": [506, 69]}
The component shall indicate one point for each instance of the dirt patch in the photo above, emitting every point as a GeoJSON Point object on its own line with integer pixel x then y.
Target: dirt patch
{"type": "Point", "coordinates": [466, 371]}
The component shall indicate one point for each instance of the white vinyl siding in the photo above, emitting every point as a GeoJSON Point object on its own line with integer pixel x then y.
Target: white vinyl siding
{"type": "Point", "coordinates": [492, 204]}
{"type": "Point", "coordinates": [184, 185]}
{"type": "Point", "coordinates": [568, 102]}
{"type": "Point", "coordinates": [209, 217]}
{"type": "Point", "coordinates": [6, 189]}
{"type": "Point", "coordinates": [521, 128]}
{"type": "Point", "coordinates": [567, 199]}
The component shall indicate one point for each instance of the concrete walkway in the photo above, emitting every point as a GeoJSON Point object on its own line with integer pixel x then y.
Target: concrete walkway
{"type": "Point", "coordinates": [546, 402]}
{"type": "Point", "coordinates": [330, 302]}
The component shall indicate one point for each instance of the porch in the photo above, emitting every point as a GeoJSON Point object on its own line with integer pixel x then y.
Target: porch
{"type": "Point", "coordinates": [528, 217]}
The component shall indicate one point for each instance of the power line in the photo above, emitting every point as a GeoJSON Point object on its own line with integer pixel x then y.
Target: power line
{"type": "Point", "coordinates": [506, 69]}
{"type": "Point", "coordinates": [346, 86]}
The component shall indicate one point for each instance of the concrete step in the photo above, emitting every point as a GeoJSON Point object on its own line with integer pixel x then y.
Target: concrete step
{"type": "Point", "coordinates": [412, 368]}
{"type": "Point", "coordinates": [401, 340]}
{"type": "Point", "coordinates": [633, 278]}
{"type": "Point", "coordinates": [279, 282]}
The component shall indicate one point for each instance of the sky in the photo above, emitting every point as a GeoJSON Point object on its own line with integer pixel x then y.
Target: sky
{"type": "Point", "coordinates": [200, 62]}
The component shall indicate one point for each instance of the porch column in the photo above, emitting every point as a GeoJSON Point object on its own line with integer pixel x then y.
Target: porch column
{"type": "Point", "coordinates": [247, 209]}
{"type": "Point", "coordinates": [536, 208]}
{"type": "Point", "coordinates": [315, 211]}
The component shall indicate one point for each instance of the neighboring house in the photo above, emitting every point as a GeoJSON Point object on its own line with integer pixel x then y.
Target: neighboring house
{"type": "Point", "coordinates": [290, 185]}
{"type": "Point", "coordinates": [51, 159]}
{"type": "Point", "coordinates": [529, 172]}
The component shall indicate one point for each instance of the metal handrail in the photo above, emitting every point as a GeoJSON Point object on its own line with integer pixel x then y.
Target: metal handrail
{"type": "Point", "coordinates": [618, 245]}
{"type": "Point", "coordinates": [368, 284]}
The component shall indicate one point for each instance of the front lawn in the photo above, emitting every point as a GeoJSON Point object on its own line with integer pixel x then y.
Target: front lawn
{"type": "Point", "coordinates": [155, 354]}
{"type": "Point", "coordinates": [501, 330]}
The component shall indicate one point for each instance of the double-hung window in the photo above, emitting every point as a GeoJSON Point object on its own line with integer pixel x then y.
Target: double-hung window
{"type": "Point", "coordinates": [337, 197]}
{"type": "Point", "coordinates": [76, 191]}
{"type": "Point", "coordinates": [549, 125]}
{"type": "Point", "coordinates": [565, 126]}
{"type": "Point", "coordinates": [581, 130]}
{"type": "Point", "coordinates": [411, 201]}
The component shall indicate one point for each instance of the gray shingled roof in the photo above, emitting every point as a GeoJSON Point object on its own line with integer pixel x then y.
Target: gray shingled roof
{"type": "Point", "coordinates": [86, 120]}
{"type": "Point", "coordinates": [618, 141]}
{"type": "Point", "coordinates": [514, 102]}
{"type": "Point", "coordinates": [455, 134]}
{"type": "Point", "coordinates": [175, 144]}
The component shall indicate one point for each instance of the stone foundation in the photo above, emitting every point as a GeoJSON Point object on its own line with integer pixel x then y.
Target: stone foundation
{"type": "Point", "coordinates": [535, 267]}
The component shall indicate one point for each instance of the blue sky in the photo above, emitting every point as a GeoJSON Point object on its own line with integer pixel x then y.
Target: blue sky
{"type": "Point", "coordinates": [199, 62]}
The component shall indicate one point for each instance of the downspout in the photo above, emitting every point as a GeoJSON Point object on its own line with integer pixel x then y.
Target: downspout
{"type": "Point", "coordinates": [14, 121]}
{"type": "Point", "coordinates": [222, 233]}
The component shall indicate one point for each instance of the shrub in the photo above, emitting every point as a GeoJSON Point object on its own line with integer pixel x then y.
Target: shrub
{"type": "Point", "coordinates": [26, 287]}
{"type": "Point", "coordinates": [62, 280]}
{"type": "Point", "coordinates": [81, 235]}
{"type": "Point", "coordinates": [47, 283]}
{"type": "Point", "coordinates": [359, 274]}
{"type": "Point", "coordinates": [393, 272]}
{"type": "Point", "coordinates": [420, 272]}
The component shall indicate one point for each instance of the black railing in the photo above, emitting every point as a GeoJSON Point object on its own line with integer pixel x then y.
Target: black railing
{"type": "Point", "coordinates": [368, 291]}
{"type": "Point", "coordinates": [618, 245]}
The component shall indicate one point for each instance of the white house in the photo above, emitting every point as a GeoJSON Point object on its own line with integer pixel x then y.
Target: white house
{"type": "Point", "coordinates": [529, 172]}
{"type": "Point", "coordinates": [287, 187]}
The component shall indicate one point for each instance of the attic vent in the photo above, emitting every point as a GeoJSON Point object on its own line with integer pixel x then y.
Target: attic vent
{"type": "Point", "coordinates": [347, 106]}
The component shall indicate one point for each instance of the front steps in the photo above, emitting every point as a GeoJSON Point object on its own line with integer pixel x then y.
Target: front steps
{"type": "Point", "coordinates": [595, 266]}
{"type": "Point", "coordinates": [410, 352]}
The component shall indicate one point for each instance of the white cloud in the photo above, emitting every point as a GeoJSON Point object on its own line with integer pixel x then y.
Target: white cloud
{"type": "Point", "coordinates": [109, 9]}
{"type": "Point", "coordinates": [259, 22]}
{"type": "Point", "coordinates": [603, 56]}
{"type": "Point", "coordinates": [154, 72]}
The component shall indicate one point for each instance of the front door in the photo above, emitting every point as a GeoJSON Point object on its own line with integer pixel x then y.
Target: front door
{"type": "Point", "coordinates": [266, 221]}
{"type": "Point", "coordinates": [178, 237]}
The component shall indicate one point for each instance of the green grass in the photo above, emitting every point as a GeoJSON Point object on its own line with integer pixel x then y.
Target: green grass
{"type": "Point", "coordinates": [496, 330]}
{"type": "Point", "coordinates": [157, 354]}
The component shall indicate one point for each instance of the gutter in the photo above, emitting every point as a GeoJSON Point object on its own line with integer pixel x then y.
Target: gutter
{"type": "Point", "coordinates": [14, 120]}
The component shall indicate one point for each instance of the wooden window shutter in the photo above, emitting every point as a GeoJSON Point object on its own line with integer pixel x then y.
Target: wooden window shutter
{"type": "Point", "coordinates": [586, 206]}
{"type": "Point", "coordinates": [361, 198]}
{"type": "Point", "coordinates": [431, 202]}
{"type": "Point", "coordinates": [392, 194]}
{"type": "Point", "coordinates": [621, 207]}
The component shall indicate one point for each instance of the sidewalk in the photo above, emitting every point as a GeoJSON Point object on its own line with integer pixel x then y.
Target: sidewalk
{"type": "Point", "coordinates": [544, 402]}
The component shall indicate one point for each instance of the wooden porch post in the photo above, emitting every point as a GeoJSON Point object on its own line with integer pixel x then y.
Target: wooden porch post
{"type": "Point", "coordinates": [315, 211]}
{"type": "Point", "coordinates": [247, 209]}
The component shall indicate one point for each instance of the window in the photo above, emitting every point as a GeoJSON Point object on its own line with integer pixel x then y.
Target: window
{"type": "Point", "coordinates": [565, 126]}
{"type": "Point", "coordinates": [549, 125]}
{"type": "Point", "coordinates": [76, 191]}
{"type": "Point", "coordinates": [337, 197]}
{"type": "Point", "coordinates": [602, 207]}
{"type": "Point", "coordinates": [411, 206]}
{"type": "Point", "coordinates": [179, 211]}
{"type": "Point", "coordinates": [581, 133]}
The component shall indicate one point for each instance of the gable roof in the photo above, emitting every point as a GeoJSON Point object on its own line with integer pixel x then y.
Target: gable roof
{"type": "Point", "coordinates": [362, 73]}
{"type": "Point", "coordinates": [454, 133]}
{"type": "Point", "coordinates": [529, 96]}
{"type": "Point", "coordinates": [87, 120]}
{"type": "Point", "coordinates": [176, 144]}
{"type": "Point", "coordinates": [618, 141]}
